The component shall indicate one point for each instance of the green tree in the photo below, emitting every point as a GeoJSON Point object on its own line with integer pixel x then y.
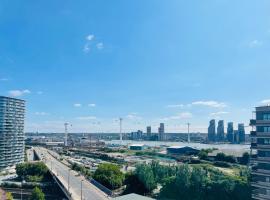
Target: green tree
{"type": "Point", "coordinates": [132, 180]}
{"type": "Point", "coordinates": [37, 194]}
{"type": "Point", "coordinates": [9, 196]}
{"type": "Point", "coordinates": [145, 174]}
{"type": "Point", "coordinates": [245, 158]}
{"type": "Point", "coordinates": [109, 175]}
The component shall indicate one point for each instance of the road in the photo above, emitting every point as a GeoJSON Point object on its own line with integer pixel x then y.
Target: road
{"type": "Point", "coordinates": [89, 191]}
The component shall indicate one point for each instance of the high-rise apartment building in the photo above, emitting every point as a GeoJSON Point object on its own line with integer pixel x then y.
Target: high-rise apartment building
{"type": "Point", "coordinates": [235, 136]}
{"type": "Point", "coordinates": [230, 132]}
{"type": "Point", "coordinates": [161, 132]}
{"type": "Point", "coordinates": [220, 131]}
{"type": "Point", "coordinates": [212, 131]}
{"type": "Point", "coordinates": [11, 131]}
{"type": "Point", "coordinates": [241, 133]}
{"type": "Point", "coordinates": [148, 132]}
{"type": "Point", "coordinates": [260, 142]}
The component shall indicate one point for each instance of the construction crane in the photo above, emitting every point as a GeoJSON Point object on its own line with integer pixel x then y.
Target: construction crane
{"type": "Point", "coordinates": [120, 124]}
{"type": "Point", "coordinates": [66, 133]}
{"type": "Point", "coordinates": [188, 124]}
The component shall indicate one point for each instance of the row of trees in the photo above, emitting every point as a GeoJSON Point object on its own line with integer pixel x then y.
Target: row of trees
{"type": "Point", "coordinates": [32, 172]}
{"type": "Point", "coordinates": [80, 168]}
{"type": "Point", "coordinates": [203, 154]}
{"type": "Point", "coordinates": [37, 194]}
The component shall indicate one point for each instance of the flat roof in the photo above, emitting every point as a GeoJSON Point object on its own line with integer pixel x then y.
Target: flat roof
{"type": "Point", "coordinates": [5, 97]}
{"type": "Point", "coordinates": [136, 145]}
{"type": "Point", "coordinates": [132, 196]}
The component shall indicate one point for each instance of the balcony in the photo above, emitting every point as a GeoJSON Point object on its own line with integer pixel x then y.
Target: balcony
{"type": "Point", "coordinates": [260, 196]}
{"type": "Point", "coordinates": [253, 145]}
{"type": "Point", "coordinates": [262, 146]}
{"type": "Point", "coordinates": [253, 134]}
{"type": "Point", "coordinates": [252, 122]}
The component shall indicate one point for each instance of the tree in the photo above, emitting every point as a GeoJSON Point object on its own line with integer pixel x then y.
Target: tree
{"type": "Point", "coordinates": [33, 172]}
{"type": "Point", "coordinates": [9, 196]}
{"type": "Point", "coordinates": [132, 180]}
{"type": "Point", "coordinates": [145, 174]}
{"type": "Point", "coordinates": [245, 158]}
{"type": "Point", "coordinates": [37, 194]}
{"type": "Point", "coordinates": [203, 155]}
{"type": "Point", "coordinates": [109, 175]}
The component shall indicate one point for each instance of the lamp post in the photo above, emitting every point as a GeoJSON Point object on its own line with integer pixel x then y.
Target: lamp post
{"type": "Point", "coordinates": [81, 190]}
{"type": "Point", "coordinates": [68, 178]}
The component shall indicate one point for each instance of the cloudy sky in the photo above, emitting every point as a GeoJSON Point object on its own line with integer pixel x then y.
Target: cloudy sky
{"type": "Point", "coordinates": [89, 62]}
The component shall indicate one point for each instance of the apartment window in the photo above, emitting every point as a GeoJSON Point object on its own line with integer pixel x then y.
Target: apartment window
{"type": "Point", "coordinates": [266, 129]}
{"type": "Point", "coordinates": [266, 116]}
{"type": "Point", "coordinates": [266, 141]}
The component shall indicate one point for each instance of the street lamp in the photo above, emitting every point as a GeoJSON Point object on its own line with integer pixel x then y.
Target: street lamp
{"type": "Point", "coordinates": [68, 178]}
{"type": "Point", "coordinates": [81, 189]}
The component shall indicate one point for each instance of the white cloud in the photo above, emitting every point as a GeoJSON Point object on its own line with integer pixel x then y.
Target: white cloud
{"type": "Point", "coordinates": [265, 101]}
{"type": "Point", "coordinates": [3, 79]}
{"type": "Point", "coordinates": [175, 106]}
{"type": "Point", "coordinates": [91, 105]}
{"type": "Point", "coordinates": [100, 45]}
{"type": "Point", "coordinates": [77, 105]}
{"type": "Point", "coordinates": [41, 113]}
{"type": "Point", "coordinates": [255, 43]}
{"type": "Point", "coordinates": [213, 104]}
{"type": "Point", "coordinates": [216, 114]}
{"type": "Point", "coordinates": [90, 37]}
{"type": "Point", "coordinates": [133, 116]}
{"type": "Point", "coordinates": [39, 92]}
{"type": "Point", "coordinates": [17, 93]}
{"type": "Point", "coordinates": [86, 118]}
{"type": "Point", "coordinates": [183, 115]}
{"type": "Point", "coordinates": [86, 48]}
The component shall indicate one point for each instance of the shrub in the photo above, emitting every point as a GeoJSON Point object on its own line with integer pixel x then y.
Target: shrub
{"type": "Point", "coordinates": [109, 175]}
{"type": "Point", "coordinates": [222, 164]}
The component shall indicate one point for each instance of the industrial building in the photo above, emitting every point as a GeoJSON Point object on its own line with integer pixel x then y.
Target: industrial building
{"type": "Point", "coordinates": [12, 113]}
{"type": "Point", "coordinates": [182, 150]}
{"type": "Point", "coordinates": [137, 147]}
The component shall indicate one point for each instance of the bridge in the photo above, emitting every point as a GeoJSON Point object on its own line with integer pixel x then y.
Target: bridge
{"type": "Point", "coordinates": [74, 186]}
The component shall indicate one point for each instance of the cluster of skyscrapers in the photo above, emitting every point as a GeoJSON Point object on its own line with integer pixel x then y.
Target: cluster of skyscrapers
{"type": "Point", "coordinates": [218, 134]}
{"type": "Point", "coordinates": [139, 135]}
{"type": "Point", "coordinates": [12, 113]}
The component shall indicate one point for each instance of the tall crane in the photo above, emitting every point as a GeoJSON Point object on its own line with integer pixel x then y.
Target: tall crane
{"type": "Point", "coordinates": [66, 134]}
{"type": "Point", "coordinates": [188, 124]}
{"type": "Point", "coordinates": [120, 124]}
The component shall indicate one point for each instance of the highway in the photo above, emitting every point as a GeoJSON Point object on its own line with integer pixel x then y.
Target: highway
{"type": "Point", "coordinates": [77, 182]}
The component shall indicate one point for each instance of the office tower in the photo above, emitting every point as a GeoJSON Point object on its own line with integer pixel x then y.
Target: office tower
{"type": "Point", "coordinates": [235, 136]}
{"type": "Point", "coordinates": [11, 131]}
{"type": "Point", "coordinates": [161, 132]}
{"type": "Point", "coordinates": [241, 133]}
{"type": "Point", "coordinates": [148, 132]}
{"type": "Point", "coordinates": [230, 132]}
{"type": "Point", "coordinates": [220, 131]}
{"type": "Point", "coordinates": [260, 144]}
{"type": "Point", "coordinates": [212, 131]}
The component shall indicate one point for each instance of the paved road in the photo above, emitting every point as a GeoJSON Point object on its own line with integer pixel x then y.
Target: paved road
{"type": "Point", "coordinates": [89, 191]}
{"type": "Point", "coordinates": [30, 154]}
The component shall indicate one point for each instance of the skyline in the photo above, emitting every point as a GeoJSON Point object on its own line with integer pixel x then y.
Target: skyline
{"type": "Point", "coordinates": [147, 62]}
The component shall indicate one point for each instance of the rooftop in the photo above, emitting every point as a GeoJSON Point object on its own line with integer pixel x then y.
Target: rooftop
{"type": "Point", "coordinates": [132, 196]}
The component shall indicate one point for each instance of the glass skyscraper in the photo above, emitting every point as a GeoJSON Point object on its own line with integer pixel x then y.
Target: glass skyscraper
{"type": "Point", "coordinates": [12, 113]}
{"type": "Point", "coordinates": [220, 131]}
{"type": "Point", "coordinates": [212, 131]}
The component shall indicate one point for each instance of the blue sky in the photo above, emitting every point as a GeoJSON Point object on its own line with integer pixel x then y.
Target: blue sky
{"type": "Point", "coordinates": [175, 61]}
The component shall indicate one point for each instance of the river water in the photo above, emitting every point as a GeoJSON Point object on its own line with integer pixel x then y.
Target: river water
{"type": "Point", "coordinates": [183, 144]}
